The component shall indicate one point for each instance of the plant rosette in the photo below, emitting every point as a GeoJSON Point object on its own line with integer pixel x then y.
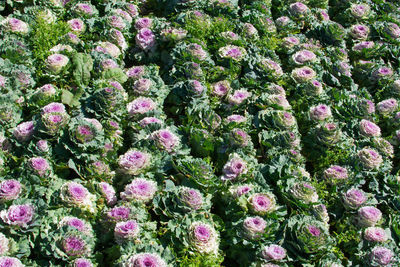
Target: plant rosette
{"type": "Point", "coordinates": [314, 93]}
{"type": "Point", "coordinates": [297, 193]}
{"type": "Point", "coordinates": [230, 57]}
{"type": "Point", "coordinates": [366, 50]}
{"type": "Point", "coordinates": [66, 237]}
{"type": "Point", "coordinates": [38, 169]}
{"type": "Point", "coordinates": [233, 194]}
{"type": "Point", "coordinates": [57, 67]}
{"type": "Point", "coordinates": [53, 119]}
{"type": "Point", "coordinates": [201, 108]}
{"type": "Point", "coordinates": [146, 81]}
{"type": "Point", "coordinates": [128, 233]}
{"type": "Point", "coordinates": [247, 234]}
{"type": "Point", "coordinates": [150, 86]}
{"type": "Point", "coordinates": [136, 161]}
{"type": "Point", "coordinates": [12, 189]}
{"type": "Point", "coordinates": [202, 142]}
{"type": "Point", "coordinates": [237, 120]}
{"type": "Point", "coordinates": [108, 100]}
{"type": "Point", "coordinates": [376, 236]}
{"type": "Point", "coordinates": [195, 52]}
{"type": "Point", "coordinates": [168, 141]}
{"type": "Point", "coordinates": [140, 128]}
{"type": "Point", "coordinates": [105, 49]}
{"type": "Point", "coordinates": [379, 255]}
{"type": "Point", "coordinates": [236, 140]}
{"type": "Point", "coordinates": [42, 147]}
{"type": "Point", "coordinates": [68, 243]}
{"type": "Point", "coordinates": [273, 99]}
{"type": "Point", "coordinates": [197, 172]}
{"type": "Point", "coordinates": [84, 137]}
{"type": "Point", "coordinates": [229, 37]}
{"type": "Point", "coordinates": [238, 167]}
{"type": "Point", "coordinates": [307, 237]}
{"type": "Point", "coordinates": [123, 212]}
{"type": "Point", "coordinates": [117, 19]}
{"type": "Point", "coordinates": [21, 219]}
{"type": "Point", "coordinates": [182, 93]}
{"type": "Point", "coordinates": [107, 62]}
{"type": "Point", "coordinates": [140, 191]}
{"type": "Point", "coordinates": [172, 35]}
{"type": "Point", "coordinates": [142, 107]}
{"type": "Point", "coordinates": [354, 198]}
{"type": "Point", "coordinates": [151, 253]}
{"type": "Point", "coordinates": [272, 253]}
{"type": "Point", "coordinates": [263, 204]}
{"type": "Point", "coordinates": [269, 69]}
{"type": "Point", "coordinates": [21, 135]}
{"type": "Point", "coordinates": [118, 38]}
{"type": "Point", "coordinates": [196, 238]}
{"type": "Point", "coordinates": [358, 12]}
{"type": "Point", "coordinates": [77, 197]}
{"type": "Point", "coordinates": [275, 120]}
{"type": "Point", "coordinates": [382, 74]}
{"type": "Point", "coordinates": [388, 30]}
{"type": "Point", "coordinates": [369, 162]}
{"type": "Point", "coordinates": [262, 22]}
{"type": "Point", "coordinates": [141, 131]}
{"type": "Point", "coordinates": [177, 201]}
{"type": "Point", "coordinates": [83, 10]}
{"type": "Point", "coordinates": [251, 199]}
{"type": "Point", "coordinates": [286, 25]}
{"type": "Point", "coordinates": [147, 43]}
{"type": "Point", "coordinates": [236, 101]}
{"type": "Point", "coordinates": [352, 108]}
{"type": "Point", "coordinates": [338, 176]}
{"type": "Point", "coordinates": [387, 108]}
{"type": "Point", "coordinates": [305, 57]}
{"type": "Point", "coordinates": [384, 147]}
{"type": "Point", "coordinates": [328, 135]}
{"type": "Point", "coordinates": [282, 139]}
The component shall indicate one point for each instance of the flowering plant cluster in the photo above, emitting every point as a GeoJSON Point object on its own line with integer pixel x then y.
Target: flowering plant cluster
{"type": "Point", "coordinates": [164, 133]}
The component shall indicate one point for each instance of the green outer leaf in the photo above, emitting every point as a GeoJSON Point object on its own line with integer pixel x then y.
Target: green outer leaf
{"type": "Point", "coordinates": [115, 74]}
{"type": "Point", "coordinates": [82, 66]}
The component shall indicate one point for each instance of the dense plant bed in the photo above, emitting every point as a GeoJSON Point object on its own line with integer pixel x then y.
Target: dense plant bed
{"type": "Point", "coordinates": [199, 133]}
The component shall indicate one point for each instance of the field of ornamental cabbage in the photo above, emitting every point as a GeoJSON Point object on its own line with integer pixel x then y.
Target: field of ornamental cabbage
{"type": "Point", "coordinates": [199, 133]}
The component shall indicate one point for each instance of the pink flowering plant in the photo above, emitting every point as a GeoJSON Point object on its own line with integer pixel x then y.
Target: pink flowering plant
{"type": "Point", "coordinates": [179, 201]}
{"type": "Point", "coordinates": [84, 135]}
{"type": "Point", "coordinates": [307, 236]}
{"type": "Point", "coordinates": [198, 238]}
